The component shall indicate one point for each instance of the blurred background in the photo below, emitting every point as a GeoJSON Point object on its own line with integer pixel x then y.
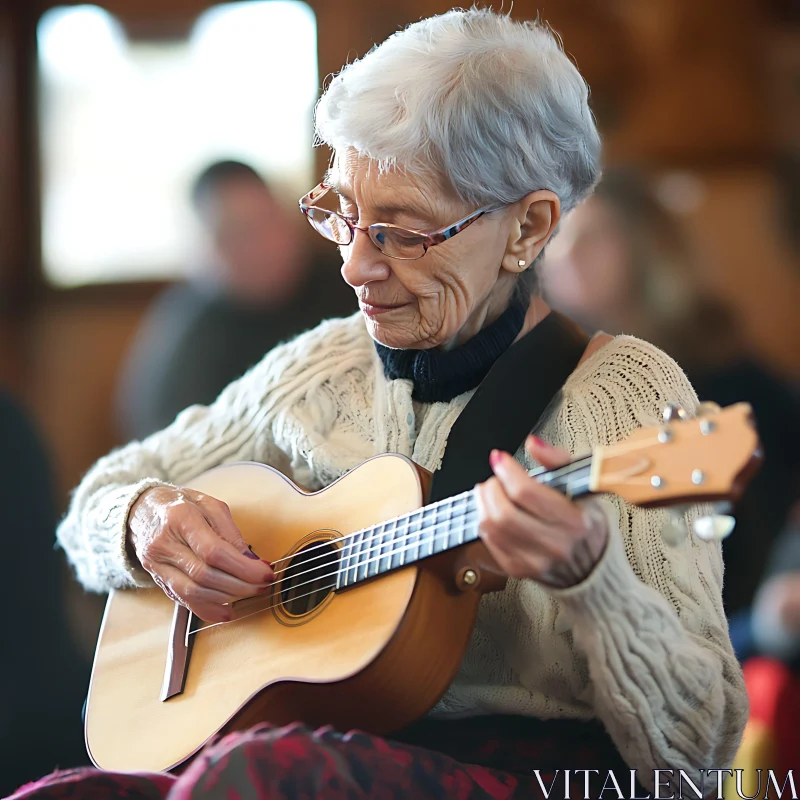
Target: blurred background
{"type": "Point", "coordinates": [119, 247]}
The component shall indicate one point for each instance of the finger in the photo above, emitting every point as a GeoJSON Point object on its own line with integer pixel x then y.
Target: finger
{"type": "Point", "coordinates": [184, 558]}
{"type": "Point", "coordinates": [500, 520]}
{"type": "Point", "coordinates": [207, 604]}
{"type": "Point", "coordinates": [540, 501]}
{"type": "Point", "coordinates": [221, 520]}
{"type": "Point", "coordinates": [215, 551]}
{"type": "Point", "coordinates": [545, 454]}
{"type": "Point", "coordinates": [515, 550]}
{"type": "Point", "coordinates": [219, 517]}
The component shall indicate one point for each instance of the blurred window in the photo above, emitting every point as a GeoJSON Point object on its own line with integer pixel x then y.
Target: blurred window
{"type": "Point", "coordinates": [125, 125]}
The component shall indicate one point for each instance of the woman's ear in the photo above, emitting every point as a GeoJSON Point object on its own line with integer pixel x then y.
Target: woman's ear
{"type": "Point", "coordinates": [535, 219]}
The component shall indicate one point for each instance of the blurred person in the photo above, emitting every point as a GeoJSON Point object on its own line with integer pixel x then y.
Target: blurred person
{"type": "Point", "coordinates": [606, 648]}
{"type": "Point", "coordinates": [622, 263]}
{"type": "Point", "coordinates": [767, 642]}
{"type": "Point", "coordinates": [43, 680]}
{"type": "Point", "coordinates": [776, 611]}
{"type": "Point", "coordinates": [257, 286]}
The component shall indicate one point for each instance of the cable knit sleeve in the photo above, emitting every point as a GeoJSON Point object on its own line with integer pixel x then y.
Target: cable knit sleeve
{"type": "Point", "coordinates": [239, 426]}
{"type": "Point", "coordinates": [649, 619]}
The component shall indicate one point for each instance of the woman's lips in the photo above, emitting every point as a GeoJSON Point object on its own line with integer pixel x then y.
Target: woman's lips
{"type": "Point", "coordinates": [374, 311]}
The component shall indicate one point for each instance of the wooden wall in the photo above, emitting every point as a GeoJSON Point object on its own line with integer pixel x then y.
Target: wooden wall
{"type": "Point", "coordinates": [677, 85]}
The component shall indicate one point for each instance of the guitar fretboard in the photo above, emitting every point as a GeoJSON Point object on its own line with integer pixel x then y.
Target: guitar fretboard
{"type": "Point", "coordinates": [435, 528]}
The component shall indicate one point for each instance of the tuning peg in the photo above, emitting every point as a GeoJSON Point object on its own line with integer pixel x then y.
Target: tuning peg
{"type": "Point", "coordinates": [673, 411]}
{"type": "Point", "coordinates": [708, 407]}
{"type": "Point", "coordinates": [674, 530]}
{"type": "Point", "coordinates": [715, 527]}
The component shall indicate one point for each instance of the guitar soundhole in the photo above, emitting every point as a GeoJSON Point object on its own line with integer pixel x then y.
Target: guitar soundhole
{"type": "Point", "coordinates": [309, 578]}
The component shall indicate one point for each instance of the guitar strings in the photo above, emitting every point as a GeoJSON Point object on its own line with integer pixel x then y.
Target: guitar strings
{"type": "Point", "coordinates": [545, 477]}
{"type": "Point", "coordinates": [299, 597]}
{"type": "Point", "coordinates": [403, 528]}
{"type": "Point", "coordinates": [566, 470]}
{"type": "Point", "coordinates": [341, 569]}
{"type": "Point", "coordinates": [400, 524]}
{"type": "Point", "coordinates": [254, 613]}
{"type": "Point", "coordinates": [336, 554]}
{"type": "Point", "coordinates": [333, 574]}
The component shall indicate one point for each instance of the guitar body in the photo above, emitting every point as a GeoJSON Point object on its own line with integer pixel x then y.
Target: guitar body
{"type": "Point", "coordinates": [373, 605]}
{"type": "Point", "coordinates": [376, 656]}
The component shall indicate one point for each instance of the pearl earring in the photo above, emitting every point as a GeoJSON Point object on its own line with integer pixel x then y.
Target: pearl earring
{"type": "Point", "coordinates": [520, 263]}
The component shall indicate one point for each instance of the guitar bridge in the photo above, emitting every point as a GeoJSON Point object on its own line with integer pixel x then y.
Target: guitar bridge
{"type": "Point", "coordinates": [178, 651]}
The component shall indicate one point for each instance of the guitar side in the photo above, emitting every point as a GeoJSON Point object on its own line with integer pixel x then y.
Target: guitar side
{"type": "Point", "coordinates": [376, 656]}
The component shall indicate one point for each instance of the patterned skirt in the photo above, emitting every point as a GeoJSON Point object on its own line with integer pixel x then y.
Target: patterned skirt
{"type": "Point", "coordinates": [481, 758]}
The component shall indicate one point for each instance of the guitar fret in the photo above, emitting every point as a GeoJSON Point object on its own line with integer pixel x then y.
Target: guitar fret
{"type": "Point", "coordinates": [352, 574]}
{"type": "Point", "coordinates": [373, 568]}
{"type": "Point", "coordinates": [414, 529]}
{"type": "Point", "coordinates": [462, 528]}
{"type": "Point", "coordinates": [362, 567]}
{"type": "Point", "coordinates": [441, 534]}
{"type": "Point", "coordinates": [460, 532]}
{"type": "Point", "coordinates": [370, 565]}
{"type": "Point", "coordinates": [403, 542]}
{"type": "Point", "coordinates": [452, 531]}
{"type": "Point", "coordinates": [385, 551]}
{"type": "Point", "coordinates": [341, 572]}
{"type": "Point", "coordinates": [346, 560]}
{"type": "Point", "coordinates": [357, 541]}
{"type": "Point", "coordinates": [398, 545]}
{"type": "Point", "coordinates": [428, 540]}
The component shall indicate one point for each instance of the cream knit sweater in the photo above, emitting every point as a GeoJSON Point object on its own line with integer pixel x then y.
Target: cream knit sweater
{"type": "Point", "coordinates": [642, 644]}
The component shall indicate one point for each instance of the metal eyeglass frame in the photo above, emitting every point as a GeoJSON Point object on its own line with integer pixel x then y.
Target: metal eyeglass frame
{"type": "Point", "coordinates": [428, 239]}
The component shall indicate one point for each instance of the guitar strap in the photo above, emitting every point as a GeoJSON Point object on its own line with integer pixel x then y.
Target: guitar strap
{"type": "Point", "coordinates": [508, 403]}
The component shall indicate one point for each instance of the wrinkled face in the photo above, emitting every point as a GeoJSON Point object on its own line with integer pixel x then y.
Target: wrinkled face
{"type": "Point", "coordinates": [586, 269]}
{"type": "Point", "coordinates": [444, 297]}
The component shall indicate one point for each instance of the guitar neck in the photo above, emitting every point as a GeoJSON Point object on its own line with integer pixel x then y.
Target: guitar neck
{"type": "Point", "coordinates": [435, 528]}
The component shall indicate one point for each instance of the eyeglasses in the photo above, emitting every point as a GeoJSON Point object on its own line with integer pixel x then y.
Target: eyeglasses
{"type": "Point", "coordinates": [391, 240]}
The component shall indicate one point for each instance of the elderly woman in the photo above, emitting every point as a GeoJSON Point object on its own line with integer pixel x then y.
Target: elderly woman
{"type": "Point", "coordinates": [474, 130]}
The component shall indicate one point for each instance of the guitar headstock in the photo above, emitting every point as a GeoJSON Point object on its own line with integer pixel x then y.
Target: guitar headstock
{"type": "Point", "coordinates": [708, 458]}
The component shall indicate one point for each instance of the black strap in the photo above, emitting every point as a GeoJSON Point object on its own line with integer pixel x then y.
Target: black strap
{"type": "Point", "coordinates": [509, 402]}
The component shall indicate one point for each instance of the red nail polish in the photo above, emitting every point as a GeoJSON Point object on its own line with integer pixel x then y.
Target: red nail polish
{"type": "Point", "coordinates": [494, 458]}
{"type": "Point", "coordinates": [540, 442]}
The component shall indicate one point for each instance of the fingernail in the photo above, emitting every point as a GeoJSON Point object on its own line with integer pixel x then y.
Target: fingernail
{"type": "Point", "coordinates": [495, 457]}
{"type": "Point", "coordinates": [251, 554]}
{"type": "Point", "coordinates": [265, 590]}
{"type": "Point", "coordinates": [540, 442]}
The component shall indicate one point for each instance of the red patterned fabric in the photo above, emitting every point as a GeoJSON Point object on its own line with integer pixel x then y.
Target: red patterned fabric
{"type": "Point", "coordinates": [485, 758]}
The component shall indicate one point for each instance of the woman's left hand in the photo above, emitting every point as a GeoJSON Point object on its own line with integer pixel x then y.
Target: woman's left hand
{"type": "Point", "coordinates": [533, 531]}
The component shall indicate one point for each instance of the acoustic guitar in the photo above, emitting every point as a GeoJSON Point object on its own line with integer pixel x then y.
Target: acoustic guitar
{"type": "Point", "coordinates": [374, 599]}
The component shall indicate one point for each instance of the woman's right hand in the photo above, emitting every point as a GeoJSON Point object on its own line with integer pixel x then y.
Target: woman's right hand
{"type": "Point", "coordinates": [191, 546]}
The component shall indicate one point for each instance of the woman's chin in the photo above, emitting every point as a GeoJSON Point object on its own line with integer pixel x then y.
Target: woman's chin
{"type": "Point", "coordinates": [391, 334]}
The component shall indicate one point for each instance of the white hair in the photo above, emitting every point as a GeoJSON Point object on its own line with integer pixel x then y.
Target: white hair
{"type": "Point", "coordinates": [489, 104]}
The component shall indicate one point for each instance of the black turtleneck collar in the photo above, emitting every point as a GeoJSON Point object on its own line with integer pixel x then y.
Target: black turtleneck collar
{"type": "Point", "coordinates": [440, 375]}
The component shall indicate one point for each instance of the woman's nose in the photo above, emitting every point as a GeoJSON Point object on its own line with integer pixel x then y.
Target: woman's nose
{"type": "Point", "coordinates": [363, 262]}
